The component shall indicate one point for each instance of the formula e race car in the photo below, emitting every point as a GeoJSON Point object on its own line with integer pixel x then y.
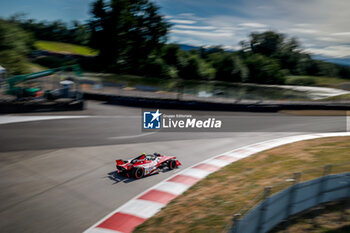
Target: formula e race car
{"type": "Point", "coordinates": [145, 165]}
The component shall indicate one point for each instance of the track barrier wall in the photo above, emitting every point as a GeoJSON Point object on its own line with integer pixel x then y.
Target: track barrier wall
{"type": "Point", "coordinates": [272, 210]}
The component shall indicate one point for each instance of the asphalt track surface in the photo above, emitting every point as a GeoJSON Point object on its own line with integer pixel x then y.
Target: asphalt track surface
{"type": "Point", "coordinates": [58, 175]}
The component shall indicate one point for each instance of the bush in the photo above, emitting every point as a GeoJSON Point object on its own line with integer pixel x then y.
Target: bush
{"type": "Point", "coordinates": [228, 67]}
{"type": "Point", "coordinates": [264, 70]}
{"type": "Point", "coordinates": [191, 66]}
{"type": "Point", "coordinates": [155, 67]}
{"type": "Point", "coordinates": [15, 43]}
{"type": "Point", "coordinates": [13, 62]}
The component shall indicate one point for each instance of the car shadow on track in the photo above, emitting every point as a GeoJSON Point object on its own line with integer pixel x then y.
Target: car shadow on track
{"type": "Point", "coordinates": [120, 178]}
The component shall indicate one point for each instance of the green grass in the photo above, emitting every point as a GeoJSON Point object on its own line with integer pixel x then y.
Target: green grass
{"type": "Point", "coordinates": [339, 97]}
{"type": "Point", "coordinates": [316, 81]}
{"type": "Point", "coordinates": [210, 204]}
{"type": "Point", "coordinates": [65, 48]}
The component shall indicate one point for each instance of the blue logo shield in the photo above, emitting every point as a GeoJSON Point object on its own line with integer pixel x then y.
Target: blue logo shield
{"type": "Point", "coordinates": [152, 120]}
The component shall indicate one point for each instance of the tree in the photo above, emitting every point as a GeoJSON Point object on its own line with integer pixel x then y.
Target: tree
{"type": "Point", "coordinates": [228, 66]}
{"type": "Point", "coordinates": [80, 33]}
{"type": "Point", "coordinates": [126, 32]}
{"type": "Point", "coordinates": [289, 55]}
{"type": "Point", "coordinates": [264, 70]}
{"type": "Point", "coordinates": [58, 30]}
{"type": "Point", "coordinates": [170, 54]}
{"type": "Point", "coordinates": [266, 43]}
{"type": "Point", "coordinates": [205, 52]}
{"type": "Point", "coordinates": [190, 66]}
{"type": "Point", "coordinates": [344, 72]}
{"type": "Point", "coordinates": [275, 45]}
{"type": "Point", "coordinates": [15, 44]}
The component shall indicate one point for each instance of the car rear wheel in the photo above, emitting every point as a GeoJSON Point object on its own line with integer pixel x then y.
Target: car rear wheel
{"type": "Point", "coordinates": [172, 164]}
{"type": "Point", "coordinates": [139, 172]}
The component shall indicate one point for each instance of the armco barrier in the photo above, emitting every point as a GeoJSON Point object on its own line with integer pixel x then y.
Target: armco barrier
{"type": "Point", "coordinates": [9, 107]}
{"type": "Point", "coordinates": [292, 200]}
{"type": "Point", "coordinates": [266, 106]}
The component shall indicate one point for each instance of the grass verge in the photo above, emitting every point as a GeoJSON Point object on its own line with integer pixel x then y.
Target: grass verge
{"type": "Point", "coordinates": [65, 48]}
{"type": "Point", "coordinates": [316, 81]}
{"type": "Point", "coordinates": [209, 205]}
{"type": "Point", "coordinates": [339, 97]}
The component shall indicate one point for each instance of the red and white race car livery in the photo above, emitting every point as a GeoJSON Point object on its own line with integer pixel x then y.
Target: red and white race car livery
{"type": "Point", "coordinates": [145, 165]}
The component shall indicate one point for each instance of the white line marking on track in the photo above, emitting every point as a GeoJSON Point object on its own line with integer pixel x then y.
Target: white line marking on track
{"type": "Point", "coordinates": [197, 173]}
{"type": "Point", "coordinates": [132, 136]}
{"type": "Point", "coordinates": [141, 208]}
{"type": "Point", "coordinates": [102, 230]}
{"type": "Point", "coordinates": [237, 154]}
{"type": "Point", "coordinates": [218, 162]}
{"type": "Point", "coordinates": [172, 187]}
{"type": "Point", "coordinates": [18, 119]}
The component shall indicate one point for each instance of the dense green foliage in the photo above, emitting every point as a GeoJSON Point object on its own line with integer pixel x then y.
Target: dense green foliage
{"type": "Point", "coordinates": [264, 69]}
{"type": "Point", "coordinates": [15, 44]}
{"type": "Point", "coordinates": [127, 32]}
{"type": "Point", "coordinates": [130, 37]}
{"type": "Point", "coordinates": [266, 58]}
{"type": "Point", "coordinates": [270, 56]}
{"type": "Point", "coordinates": [74, 32]}
{"type": "Point", "coordinates": [228, 67]}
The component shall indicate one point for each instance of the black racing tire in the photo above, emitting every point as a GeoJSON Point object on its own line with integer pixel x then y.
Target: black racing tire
{"type": "Point", "coordinates": [172, 164]}
{"type": "Point", "coordinates": [138, 172]}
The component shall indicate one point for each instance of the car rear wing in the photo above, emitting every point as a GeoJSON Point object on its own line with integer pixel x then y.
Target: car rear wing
{"type": "Point", "coordinates": [119, 162]}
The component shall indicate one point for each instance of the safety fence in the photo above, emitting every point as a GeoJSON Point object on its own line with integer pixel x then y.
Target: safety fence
{"type": "Point", "coordinates": [294, 199]}
{"type": "Point", "coordinates": [179, 89]}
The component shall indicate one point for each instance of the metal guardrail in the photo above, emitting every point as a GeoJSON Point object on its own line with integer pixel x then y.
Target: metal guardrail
{"type": "Point", "coordinates": [292, 200]}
